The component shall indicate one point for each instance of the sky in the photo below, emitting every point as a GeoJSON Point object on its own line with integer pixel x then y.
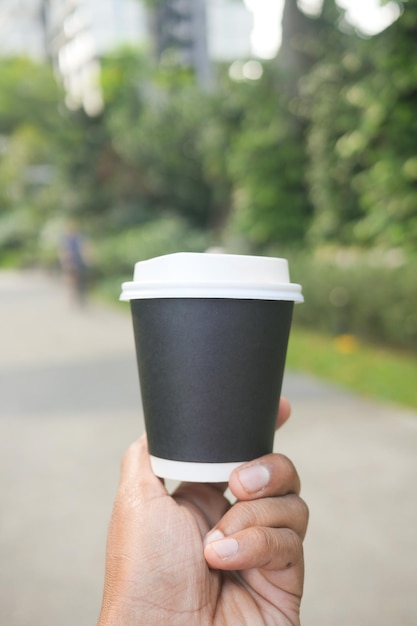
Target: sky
{"type": "Point", "coordinates": [367, 15]}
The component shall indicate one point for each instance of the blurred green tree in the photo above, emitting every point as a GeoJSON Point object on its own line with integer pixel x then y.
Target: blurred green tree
{"type": "Point", "coordinates": [267, 166]}
{"type": "Point", "coordinates": [29, 95]}
{"type": "Point", "coordinates": [30, 117]}
{"type": "Point", "coordinates": [386, 103]}
{"type": "Point", "coordinates": [361, 100]}
{"type": "Point", "coordinates": [161, 127]}
{"type": "Point", "coordinates": [324, 100]}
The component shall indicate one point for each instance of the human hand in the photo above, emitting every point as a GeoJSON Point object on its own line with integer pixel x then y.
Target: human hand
{"type": "Point", "coordinates": [194, 559]}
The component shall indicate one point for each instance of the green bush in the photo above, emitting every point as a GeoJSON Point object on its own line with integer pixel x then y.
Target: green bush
{"type": "Point", "coordinates": [116, 254]}
{"type": "Point", "coordinates": [371, 296]}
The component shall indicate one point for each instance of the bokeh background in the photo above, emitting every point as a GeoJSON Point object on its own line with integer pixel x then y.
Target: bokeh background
{"type": "Point", "coordinates": [130, 129]}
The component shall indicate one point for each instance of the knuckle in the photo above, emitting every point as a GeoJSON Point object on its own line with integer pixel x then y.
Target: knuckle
{"type": "Point", "coordinates": [300, 509]}
{"type": "Point", "coordinates": [291, 473]}
{"type": "Point", "coordinates": [279, 549]}
{"type": "Point", "coordinates": [293, 542]}
{"type": "Point", "coordinates": [263, 539]}
{"type": "Point", "coordinates": [299, 515]}
{"type": "Point", "coordinates": [290, 548]}
{"type": "Point", "coordinates": [247, 513]}
{"type": "Point", "coordinates": [304, 511]}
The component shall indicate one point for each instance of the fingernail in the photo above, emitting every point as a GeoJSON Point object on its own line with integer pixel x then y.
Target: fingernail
{"type": "Point", "coordinates": [225, 548]}
{"type": "Point", "coordinates": [214, 535]}
{"type": "Point", "coordinates": [254, 478]}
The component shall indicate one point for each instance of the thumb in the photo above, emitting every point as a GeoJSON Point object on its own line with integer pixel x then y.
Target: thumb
{"type": "Point", "coordinates": [131, 520]}
{"type": "Point", "coordinates": [136, 475]}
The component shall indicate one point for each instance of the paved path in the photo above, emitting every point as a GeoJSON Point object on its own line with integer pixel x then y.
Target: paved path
{"type": "Point", "coordinates": [68, 408]}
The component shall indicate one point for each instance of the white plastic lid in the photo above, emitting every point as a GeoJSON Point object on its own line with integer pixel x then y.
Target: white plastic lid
{"type": "Point", "coordinates": [200, 275]}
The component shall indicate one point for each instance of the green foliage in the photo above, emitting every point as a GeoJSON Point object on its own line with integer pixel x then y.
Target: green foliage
{"type": "Point", "coordinates": [116, 254]}
{"type": "Point", "coordinates": [155, 158]}
{"type": "Point", "coordinates": [267, 167]}
{"type": "Point", "coordinates": [269, 195]}
{"type": "Point", "coordinates": [165, 144]}
{"type": "Point", "coordinates": [26, 154]}
{"type": "Point", "coordinates": [372, 296]}
{"type": "Point", "coordinates": [361, 139]}
{"type": "Point", "coordinates": [28, 94]}
{"type": "Point", "coordinates": [333, 121]}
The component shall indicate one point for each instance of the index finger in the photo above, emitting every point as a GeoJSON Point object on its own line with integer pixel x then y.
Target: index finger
{"type": "Point", "coordinates": [270, 475]}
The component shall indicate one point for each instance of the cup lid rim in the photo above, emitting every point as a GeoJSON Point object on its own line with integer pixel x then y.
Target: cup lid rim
{"type": "Point", "coordinates": [203, 275]}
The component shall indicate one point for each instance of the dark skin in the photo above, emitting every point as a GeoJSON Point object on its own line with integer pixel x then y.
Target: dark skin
{"type": "Point", "coordinates": [192, 558]}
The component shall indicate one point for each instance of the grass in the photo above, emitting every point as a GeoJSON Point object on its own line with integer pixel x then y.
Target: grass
{"type": "Point", "coordinates": [375, 372]}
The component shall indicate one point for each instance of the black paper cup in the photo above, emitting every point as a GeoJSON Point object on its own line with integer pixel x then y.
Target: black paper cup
{"type": "Point", "coordinates": [211, 334]}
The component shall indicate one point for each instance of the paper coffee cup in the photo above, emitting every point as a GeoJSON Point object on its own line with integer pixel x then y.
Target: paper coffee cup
{"type": "Point", "coordinates": [211, 334]}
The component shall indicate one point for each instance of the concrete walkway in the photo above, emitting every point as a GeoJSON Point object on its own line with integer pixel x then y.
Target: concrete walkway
{"type": "Point", "coordinates": [69, 406]}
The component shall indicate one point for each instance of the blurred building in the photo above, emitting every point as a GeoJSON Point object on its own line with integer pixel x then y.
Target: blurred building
{"type": "Point", "coordinates": [74, 34]}
{"type": "Point", "coordinates": [196, 33]}
{"type": "Point", "coordinates": [179, 35]}
{"type": "Point", "coordinates": [229, 29]}
{"type": "Point", "coordinates": [23, 28]}
{"type": "Point", "coordinates": [80, 32]}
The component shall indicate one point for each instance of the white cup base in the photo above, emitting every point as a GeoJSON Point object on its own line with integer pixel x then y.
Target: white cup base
{"type": "Point", "coordinates": [193, 472]}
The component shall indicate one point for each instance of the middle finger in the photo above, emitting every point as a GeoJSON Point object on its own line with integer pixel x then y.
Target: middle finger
{"type": "Point", "coordinates": [285, 512]}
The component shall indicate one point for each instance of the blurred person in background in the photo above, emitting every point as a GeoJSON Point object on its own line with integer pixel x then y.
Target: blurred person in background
{"type": "Point", "coordinates": [75, 257]}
